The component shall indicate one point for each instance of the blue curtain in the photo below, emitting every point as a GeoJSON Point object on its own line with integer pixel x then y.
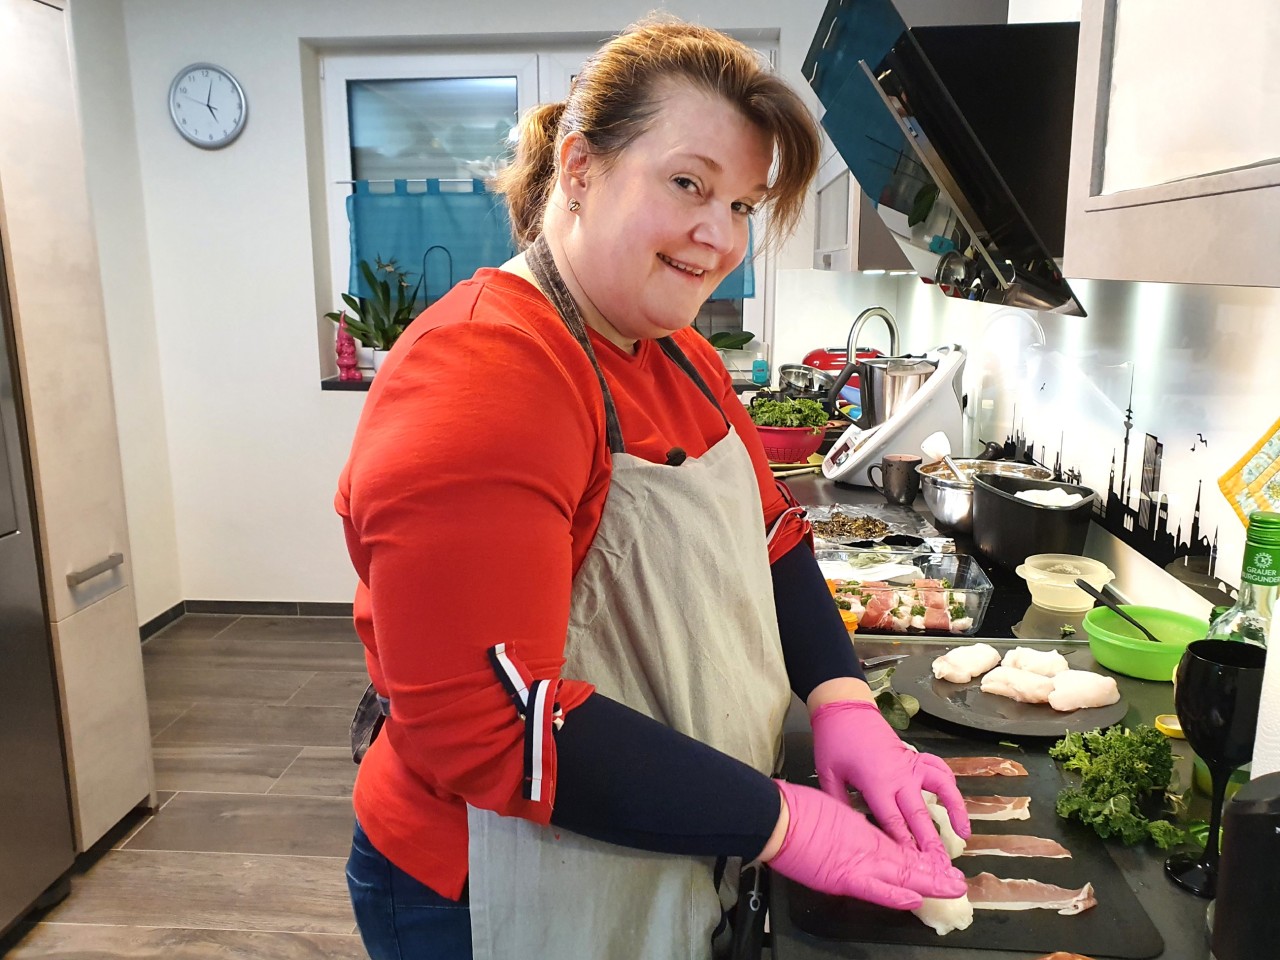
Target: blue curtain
{"type": "Point", "coordinates": [445, 234]}
{"type": "Point", "coordinates": [741, 284]}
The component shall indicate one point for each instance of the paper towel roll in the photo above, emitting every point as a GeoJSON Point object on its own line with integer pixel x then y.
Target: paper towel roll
{"type": "Point", "coordinates": [1266, 748]}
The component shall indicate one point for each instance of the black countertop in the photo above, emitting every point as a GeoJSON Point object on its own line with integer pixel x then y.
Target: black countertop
{"type": "Point", "coordinates": [1179, 916]}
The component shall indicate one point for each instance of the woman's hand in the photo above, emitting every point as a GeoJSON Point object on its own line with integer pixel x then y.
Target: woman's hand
{"type": "Point", "coordinates": [854, 746]}
{"type": "Point", "coordinates": [832, 848]}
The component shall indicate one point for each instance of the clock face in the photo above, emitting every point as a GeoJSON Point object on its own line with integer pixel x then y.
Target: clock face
{"type": "Point", "coordinates": [207, 105]}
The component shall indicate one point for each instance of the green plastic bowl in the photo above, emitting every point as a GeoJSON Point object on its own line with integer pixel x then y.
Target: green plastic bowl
{"type": "Point", "coordinates": [1118, 645]}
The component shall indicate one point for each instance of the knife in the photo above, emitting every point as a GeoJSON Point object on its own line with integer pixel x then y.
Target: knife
{"type": "Point", "coordinates": [881, 661]}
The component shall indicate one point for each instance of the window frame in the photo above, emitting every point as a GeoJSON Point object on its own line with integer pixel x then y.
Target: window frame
{"type": "Point", "coordinates": [338, 69]}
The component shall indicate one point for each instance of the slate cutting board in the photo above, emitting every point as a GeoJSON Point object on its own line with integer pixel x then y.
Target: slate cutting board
{"type": "Point", "coordinates": [1117, 927]}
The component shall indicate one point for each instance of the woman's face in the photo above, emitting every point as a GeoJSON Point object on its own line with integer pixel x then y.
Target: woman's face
{"type": "Point", "coordinates": [667, 220]}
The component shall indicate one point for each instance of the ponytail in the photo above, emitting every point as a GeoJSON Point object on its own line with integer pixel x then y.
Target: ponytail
{"type": "Point", "coordinates": [527, 182]}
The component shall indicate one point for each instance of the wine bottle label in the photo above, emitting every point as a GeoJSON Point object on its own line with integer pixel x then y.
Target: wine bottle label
{"type": "Point", "coordinates": [1261, 565]}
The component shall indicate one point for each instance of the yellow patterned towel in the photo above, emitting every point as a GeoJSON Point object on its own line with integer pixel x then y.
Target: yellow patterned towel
{"type": "Point", "coordinates": [1254, 482]}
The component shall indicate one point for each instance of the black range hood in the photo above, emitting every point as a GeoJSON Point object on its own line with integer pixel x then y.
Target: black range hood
{"type": "Point", "coordinates": [960, 137]}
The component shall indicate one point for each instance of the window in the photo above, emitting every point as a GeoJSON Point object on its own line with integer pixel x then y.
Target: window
{"type": "Point", "coordinates": [446, 116]}
{"type": "Point", "coordinates": [416, 117]}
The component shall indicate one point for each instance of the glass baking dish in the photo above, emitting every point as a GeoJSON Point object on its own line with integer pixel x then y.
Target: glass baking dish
{"type": "Point", "coordinates": [950, 600]}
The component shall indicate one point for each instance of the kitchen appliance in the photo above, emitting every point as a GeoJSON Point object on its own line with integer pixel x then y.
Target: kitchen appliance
{"type": "Point", "coordinates": [960, 138]}
{"type": "Point", "coordinates": [1009, 528]}
{"type": "Point", "coordinates": [950, 500]}
{"type": "Point", "coordinates": [1246, 923]}
{"type": "Point", "coordinates": [914, 404]}
{"type": "Point", "coordinates": [36, 847]}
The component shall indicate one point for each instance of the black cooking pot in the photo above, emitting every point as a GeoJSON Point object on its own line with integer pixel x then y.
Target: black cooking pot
{"type": "Point", "coordinates": [1008, 529]}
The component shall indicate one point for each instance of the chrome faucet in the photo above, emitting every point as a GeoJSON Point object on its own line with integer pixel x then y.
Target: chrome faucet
{"type": "Point", "coordinates": [863, 317]}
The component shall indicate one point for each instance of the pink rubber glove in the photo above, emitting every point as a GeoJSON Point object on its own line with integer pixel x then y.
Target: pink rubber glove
{"type": "Point", "coordinates": [854, 746]}
{"type": "Point", "coordinates": [832, 848]}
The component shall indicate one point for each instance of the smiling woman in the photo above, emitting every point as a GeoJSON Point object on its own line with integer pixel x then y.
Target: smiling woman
{"type": "Point", "coordinates": [666, 592]}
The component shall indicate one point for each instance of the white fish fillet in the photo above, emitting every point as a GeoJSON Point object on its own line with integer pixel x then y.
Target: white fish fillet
{"type": "Point", "coordinates": [951, 840]}
{"type": "Point", "coordinates": [964, 663]}
{"type": "Point", "coordinates": [1021, 685]}
{"type": "Point", "coordinates": [984, 767]}
{"type": "Point", "coordinates": [1014, 845]}
{"type": "Point", "coordinates": [1047, 663]}
{"type": "Point", "coordinates": [998, 808]}
{"type": "Point", "coordinates": [989, 892]}
{"type": "Point", "coordinates": [945, 915]}
{"type": "Point", "coordinates": [1077, 689]}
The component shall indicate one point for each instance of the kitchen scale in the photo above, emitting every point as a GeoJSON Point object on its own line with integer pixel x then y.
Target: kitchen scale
{"type": "Point", "coordinates": [935, 406]}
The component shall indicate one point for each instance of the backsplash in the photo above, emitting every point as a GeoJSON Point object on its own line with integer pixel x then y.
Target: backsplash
{"type": "Point", "coordinates": [1148, 400]}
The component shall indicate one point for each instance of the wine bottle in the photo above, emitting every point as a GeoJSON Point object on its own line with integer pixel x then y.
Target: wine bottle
{"type": "Point", "coordinates": [1249, 618]}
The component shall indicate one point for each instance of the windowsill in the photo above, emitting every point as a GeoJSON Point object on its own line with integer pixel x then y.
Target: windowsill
{"type": "Point", "coordinates": [333, 383]}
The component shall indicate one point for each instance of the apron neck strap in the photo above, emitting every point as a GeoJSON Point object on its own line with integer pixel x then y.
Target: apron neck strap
{"type": "Point", "coordinates": [540, 261]}
{"type": "Point", "coordinates": [543, 266]}
{"type": "Point", "coordinates": [672, 350]}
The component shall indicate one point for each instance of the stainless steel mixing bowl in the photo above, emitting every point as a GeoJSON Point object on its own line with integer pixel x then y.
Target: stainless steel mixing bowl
{"type": "Point", "coordinates": [951, 500]}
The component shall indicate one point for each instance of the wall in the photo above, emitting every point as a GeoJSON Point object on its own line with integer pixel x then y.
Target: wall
{"type": "Point", "coordinates": [217, 369]}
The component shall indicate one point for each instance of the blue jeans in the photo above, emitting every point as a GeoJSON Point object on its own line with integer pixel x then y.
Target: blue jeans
{"type": "Point", "coordinates": [401, 918]}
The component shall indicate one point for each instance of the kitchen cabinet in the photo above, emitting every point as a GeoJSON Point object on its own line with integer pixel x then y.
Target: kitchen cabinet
{"type": "Point", "coordinates": [51, 265]}
{"type": "Point", "coordinates": [1175, 153]}
{"type": "Point", "coordinates": [848, 235]}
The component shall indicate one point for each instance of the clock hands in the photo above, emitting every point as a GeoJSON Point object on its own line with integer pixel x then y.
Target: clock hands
{"type": "Point", "coordinates": [207, 98]}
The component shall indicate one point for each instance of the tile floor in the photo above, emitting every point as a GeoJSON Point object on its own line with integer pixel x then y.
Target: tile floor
{"type": "Point", "coordinates": [244, 859]}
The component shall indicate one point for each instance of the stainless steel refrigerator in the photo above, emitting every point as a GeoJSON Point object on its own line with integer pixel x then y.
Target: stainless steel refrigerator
{"type": "Point", "coordinates": [36, 846]}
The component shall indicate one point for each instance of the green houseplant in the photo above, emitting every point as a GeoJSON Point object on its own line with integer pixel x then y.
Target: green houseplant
{"type": "Point", "coordinates": [377, 321]}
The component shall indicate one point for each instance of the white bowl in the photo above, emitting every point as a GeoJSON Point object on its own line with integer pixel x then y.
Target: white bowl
{"type": "Point", "coordinates": [1052, 580]}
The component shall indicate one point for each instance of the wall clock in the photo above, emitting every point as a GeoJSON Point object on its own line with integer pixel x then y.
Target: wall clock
{"type": "Point", "coordinates": [208, 105]}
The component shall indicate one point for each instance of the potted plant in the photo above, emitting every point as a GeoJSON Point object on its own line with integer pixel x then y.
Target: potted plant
{"type": "Point", "coordinates": [791, 428]}
{"type": "Point", "coordinates": [377, 321]}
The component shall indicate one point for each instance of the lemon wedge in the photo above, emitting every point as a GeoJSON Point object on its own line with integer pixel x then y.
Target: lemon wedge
{"type": "Point", "coordinates": [1167, 723]}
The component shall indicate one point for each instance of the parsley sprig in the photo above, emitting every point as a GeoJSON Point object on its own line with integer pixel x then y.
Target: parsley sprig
{"type": "Point", "coordinates": [1119, 769]}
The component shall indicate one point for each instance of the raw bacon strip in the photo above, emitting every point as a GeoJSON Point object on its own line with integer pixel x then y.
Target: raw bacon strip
{"type": "Point", "coordinates": [989, 892]}
{"type": "Point", "coordinates": [998, 808]}
{"type": "Point", "coordinates": [1014, 845]}
{"type": "Point", "coordinates": [1063, 955]}
{"type": "Point", "coordinates": [985, 767]}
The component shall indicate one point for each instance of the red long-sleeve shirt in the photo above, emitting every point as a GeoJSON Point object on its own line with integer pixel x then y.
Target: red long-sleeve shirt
{"type": "Point", "coordinates": [472, 493]}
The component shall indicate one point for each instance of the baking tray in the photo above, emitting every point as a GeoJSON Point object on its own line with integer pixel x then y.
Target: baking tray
{"type": "Point", "coordinates": [1117, 927]}
{"type": "Point", "coordinates": [907, 527]}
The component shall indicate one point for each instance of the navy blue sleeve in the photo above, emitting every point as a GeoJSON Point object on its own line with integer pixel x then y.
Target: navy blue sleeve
{"type": "Point", "coordinates": [816, 645]}
{"type": "Point", "coordinates": [627, 779]}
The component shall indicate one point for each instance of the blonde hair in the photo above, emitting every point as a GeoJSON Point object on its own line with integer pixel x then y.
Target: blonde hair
{"type": "Point", "coordinates": [618, 93]}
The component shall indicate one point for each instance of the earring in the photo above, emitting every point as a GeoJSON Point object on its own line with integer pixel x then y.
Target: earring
{"type": "Point", "coordinates": [574, 205]}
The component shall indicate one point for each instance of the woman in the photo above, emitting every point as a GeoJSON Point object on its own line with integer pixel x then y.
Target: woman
{"type": "Point", "coordinates": [568, 597]}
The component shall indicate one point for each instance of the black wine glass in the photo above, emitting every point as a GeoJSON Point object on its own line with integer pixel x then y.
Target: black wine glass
{"type": "Point", "coordinates": [1219, 685]}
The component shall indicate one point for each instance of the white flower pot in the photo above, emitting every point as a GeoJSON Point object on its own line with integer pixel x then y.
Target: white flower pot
{"type": "Point", "coordinates": [378, 357]}
{"type": "Point", "coordinates": [364, 356]}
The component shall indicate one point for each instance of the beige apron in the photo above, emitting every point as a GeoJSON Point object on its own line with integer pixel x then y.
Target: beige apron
{"type": "Point", "coordinates": [672, 614]}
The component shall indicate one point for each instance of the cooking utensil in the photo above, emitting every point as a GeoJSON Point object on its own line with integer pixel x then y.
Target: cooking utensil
{"type": "Point", "coordinates": [1106, 601]}
{"type": "Point", "coordinates": [951, 500]}
{"type": "Point", "coordinates": [1051, 578]}
{"type": "Point", "coordinates": [1117, 645]}
{"type": "Point", "coordinates": [966, 705]}
{"type": "Point", "coordinates": [937, 446]}
{"type": "Point", "coordinates": [805, 378]}
{"type": "Point", "coordinates": [1009, 528]}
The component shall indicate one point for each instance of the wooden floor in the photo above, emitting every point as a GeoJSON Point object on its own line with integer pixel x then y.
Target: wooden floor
{"type": "Point", "coordinates": [245, 858]}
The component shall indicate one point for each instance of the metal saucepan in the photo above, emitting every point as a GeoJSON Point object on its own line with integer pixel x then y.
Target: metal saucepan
{"type": "Point", "coordinates": [951, 501]}
{"type": "Point", "coordinates": [805, 378]}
